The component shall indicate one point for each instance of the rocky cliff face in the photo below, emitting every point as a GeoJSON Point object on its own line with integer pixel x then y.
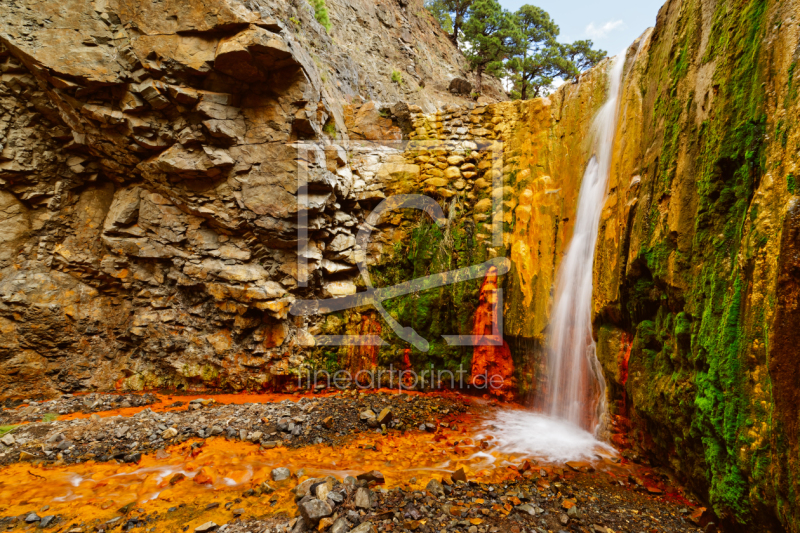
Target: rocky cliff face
{"type": "Point", "coordinates": [696, 258]}
{"type": "Point", "coordinates": [149, 187]}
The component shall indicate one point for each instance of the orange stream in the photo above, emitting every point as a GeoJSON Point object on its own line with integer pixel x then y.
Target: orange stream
{"type": "Point", "coordinates": [96, 491]}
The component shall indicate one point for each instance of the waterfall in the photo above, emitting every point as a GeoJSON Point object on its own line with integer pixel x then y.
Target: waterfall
{"type": "Point", "coordinates": [575, 388]}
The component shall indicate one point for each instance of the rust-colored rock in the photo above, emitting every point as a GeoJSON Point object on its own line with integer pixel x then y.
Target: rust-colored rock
{"type": "Point", "coordinates": [492, 366]}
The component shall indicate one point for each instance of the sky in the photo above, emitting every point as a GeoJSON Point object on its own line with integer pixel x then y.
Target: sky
{"type": "Point", "coordinates": [612, 24]}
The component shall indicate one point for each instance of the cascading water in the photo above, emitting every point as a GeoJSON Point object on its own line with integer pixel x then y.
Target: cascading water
{"type": "Point", "coordinates": [576, 389]}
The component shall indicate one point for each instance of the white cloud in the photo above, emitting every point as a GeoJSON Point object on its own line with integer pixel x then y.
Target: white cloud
{"type": "Point", "coordinates": [599, 32]}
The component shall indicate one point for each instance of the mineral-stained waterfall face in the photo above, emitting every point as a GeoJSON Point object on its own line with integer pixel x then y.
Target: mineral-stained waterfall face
{"type": "Point", "coordinates": [696, 252]}
{"type": "Point", "coordinates": [695, 282]}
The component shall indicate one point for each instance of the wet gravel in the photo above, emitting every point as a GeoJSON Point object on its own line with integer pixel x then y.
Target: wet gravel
{"type": "Point", "coordinates": [569, 502]}
{"type": "Point", "coordinates": [291, 424]}
{"type": "Point", "coordinates": [30, 410]}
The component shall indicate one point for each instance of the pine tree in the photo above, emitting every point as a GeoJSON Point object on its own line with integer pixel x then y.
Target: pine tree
{"type": "Point", "coordinates": [451, 15]}
{"type": "Point", "coordinates": [539, 59]}
{"type": "Point", "coordinates": [491, 33]}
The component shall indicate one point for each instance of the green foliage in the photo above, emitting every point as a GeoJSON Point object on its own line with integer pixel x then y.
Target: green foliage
{"type": "Point", "coordinates": [440, 9]}
{"type": "Point", "coordinates": [491, 33]}
{"type": "Point", "coordinates": [522, 44]}
{"type": "Point", "coordinates": [450, 14]}
{"type": "Point", "coordinates": [782, 133]}
{"type": "Point", "coordinates": [4, 430]}
{"type": "Point", "coordinates": [538, 59]}
{"type": "Point", "coordinates": [330, 129]}
{"type": "Point", "coordinates": [429, 249]}
{"type": "Point", "coordinates": [533, 75]}
{"type": "Point", "coordinates": [50, 417]}
{"type": "Point", "coordinates": [294, 21]}
{"type": "Point", "coordinates": [791, 184]}
{"type": "Point", "coordinates": [321, 14]}
{"type": "Point", "coordinates": [397, 77]}
{"type": "Point", "coordinates": [582, 56]}
{"type": "Point", "coordinates": [791, 94]}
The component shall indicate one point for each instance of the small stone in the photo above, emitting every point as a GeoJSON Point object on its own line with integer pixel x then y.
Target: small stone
{"type": "Point", "coordinates": [47, 520]}
{"type": "Point", "coordinates": [169, 433]}
{"type": "Point", "coordinates": [8, 439]}
{"type": "Point", "coordinates": [204, 528]}
{"type": "Point", "coordinates": [363, 498]}
{"type": "Point", "coordinates": [436, 182]}
{"type": "Point", "coordinates": [302, 489]}
{"type": "Point", "coordinates": [340, 526]}
{"type": "Point", "coordinates": [266, 488]}
{"type": "Point", "coordinates": [460, 475]}
{"type": "Point", "coordinates": [322, 491]}
{"type": "Point", "coordinates": [385, 416]}
{"type": "Point", "coordinates": [314, 510]}
{"type": "Point", "coordinates": [328, 423]}
{"type": "Point", "coordinates": [580, 466]}
{"type": "Point", "coordinates": [527, 508]}
{"type": "Point", "coordinates": [372, 477]}
{"type": "Point", "coordinates": [564, 519]}
{"type": "Point", "coordinates": [280, 474]}
{"type": "Point", "coordinates": [33, 517]}
{"type": "Point", "coordinates": [366, 527]}
{"type": "Point", "coordinates": [435, 488]}
{"type": "Point", "coordinates": [452, 173]}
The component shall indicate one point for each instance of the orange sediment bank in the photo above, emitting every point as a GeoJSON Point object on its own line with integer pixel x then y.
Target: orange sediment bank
{"type": "Point", "coordinates": [190, 480]}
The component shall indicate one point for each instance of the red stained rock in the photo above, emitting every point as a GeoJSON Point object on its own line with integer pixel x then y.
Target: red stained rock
{"type": "Point", "coordinates": [491, 363]}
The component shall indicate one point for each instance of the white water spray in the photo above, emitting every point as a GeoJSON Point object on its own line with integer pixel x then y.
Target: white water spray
{"type": "Point", "coordinates": [576, 388]}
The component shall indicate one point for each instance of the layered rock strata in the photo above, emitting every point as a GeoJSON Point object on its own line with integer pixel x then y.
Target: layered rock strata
{"type": "Point", "coordinates": [149, 163]}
